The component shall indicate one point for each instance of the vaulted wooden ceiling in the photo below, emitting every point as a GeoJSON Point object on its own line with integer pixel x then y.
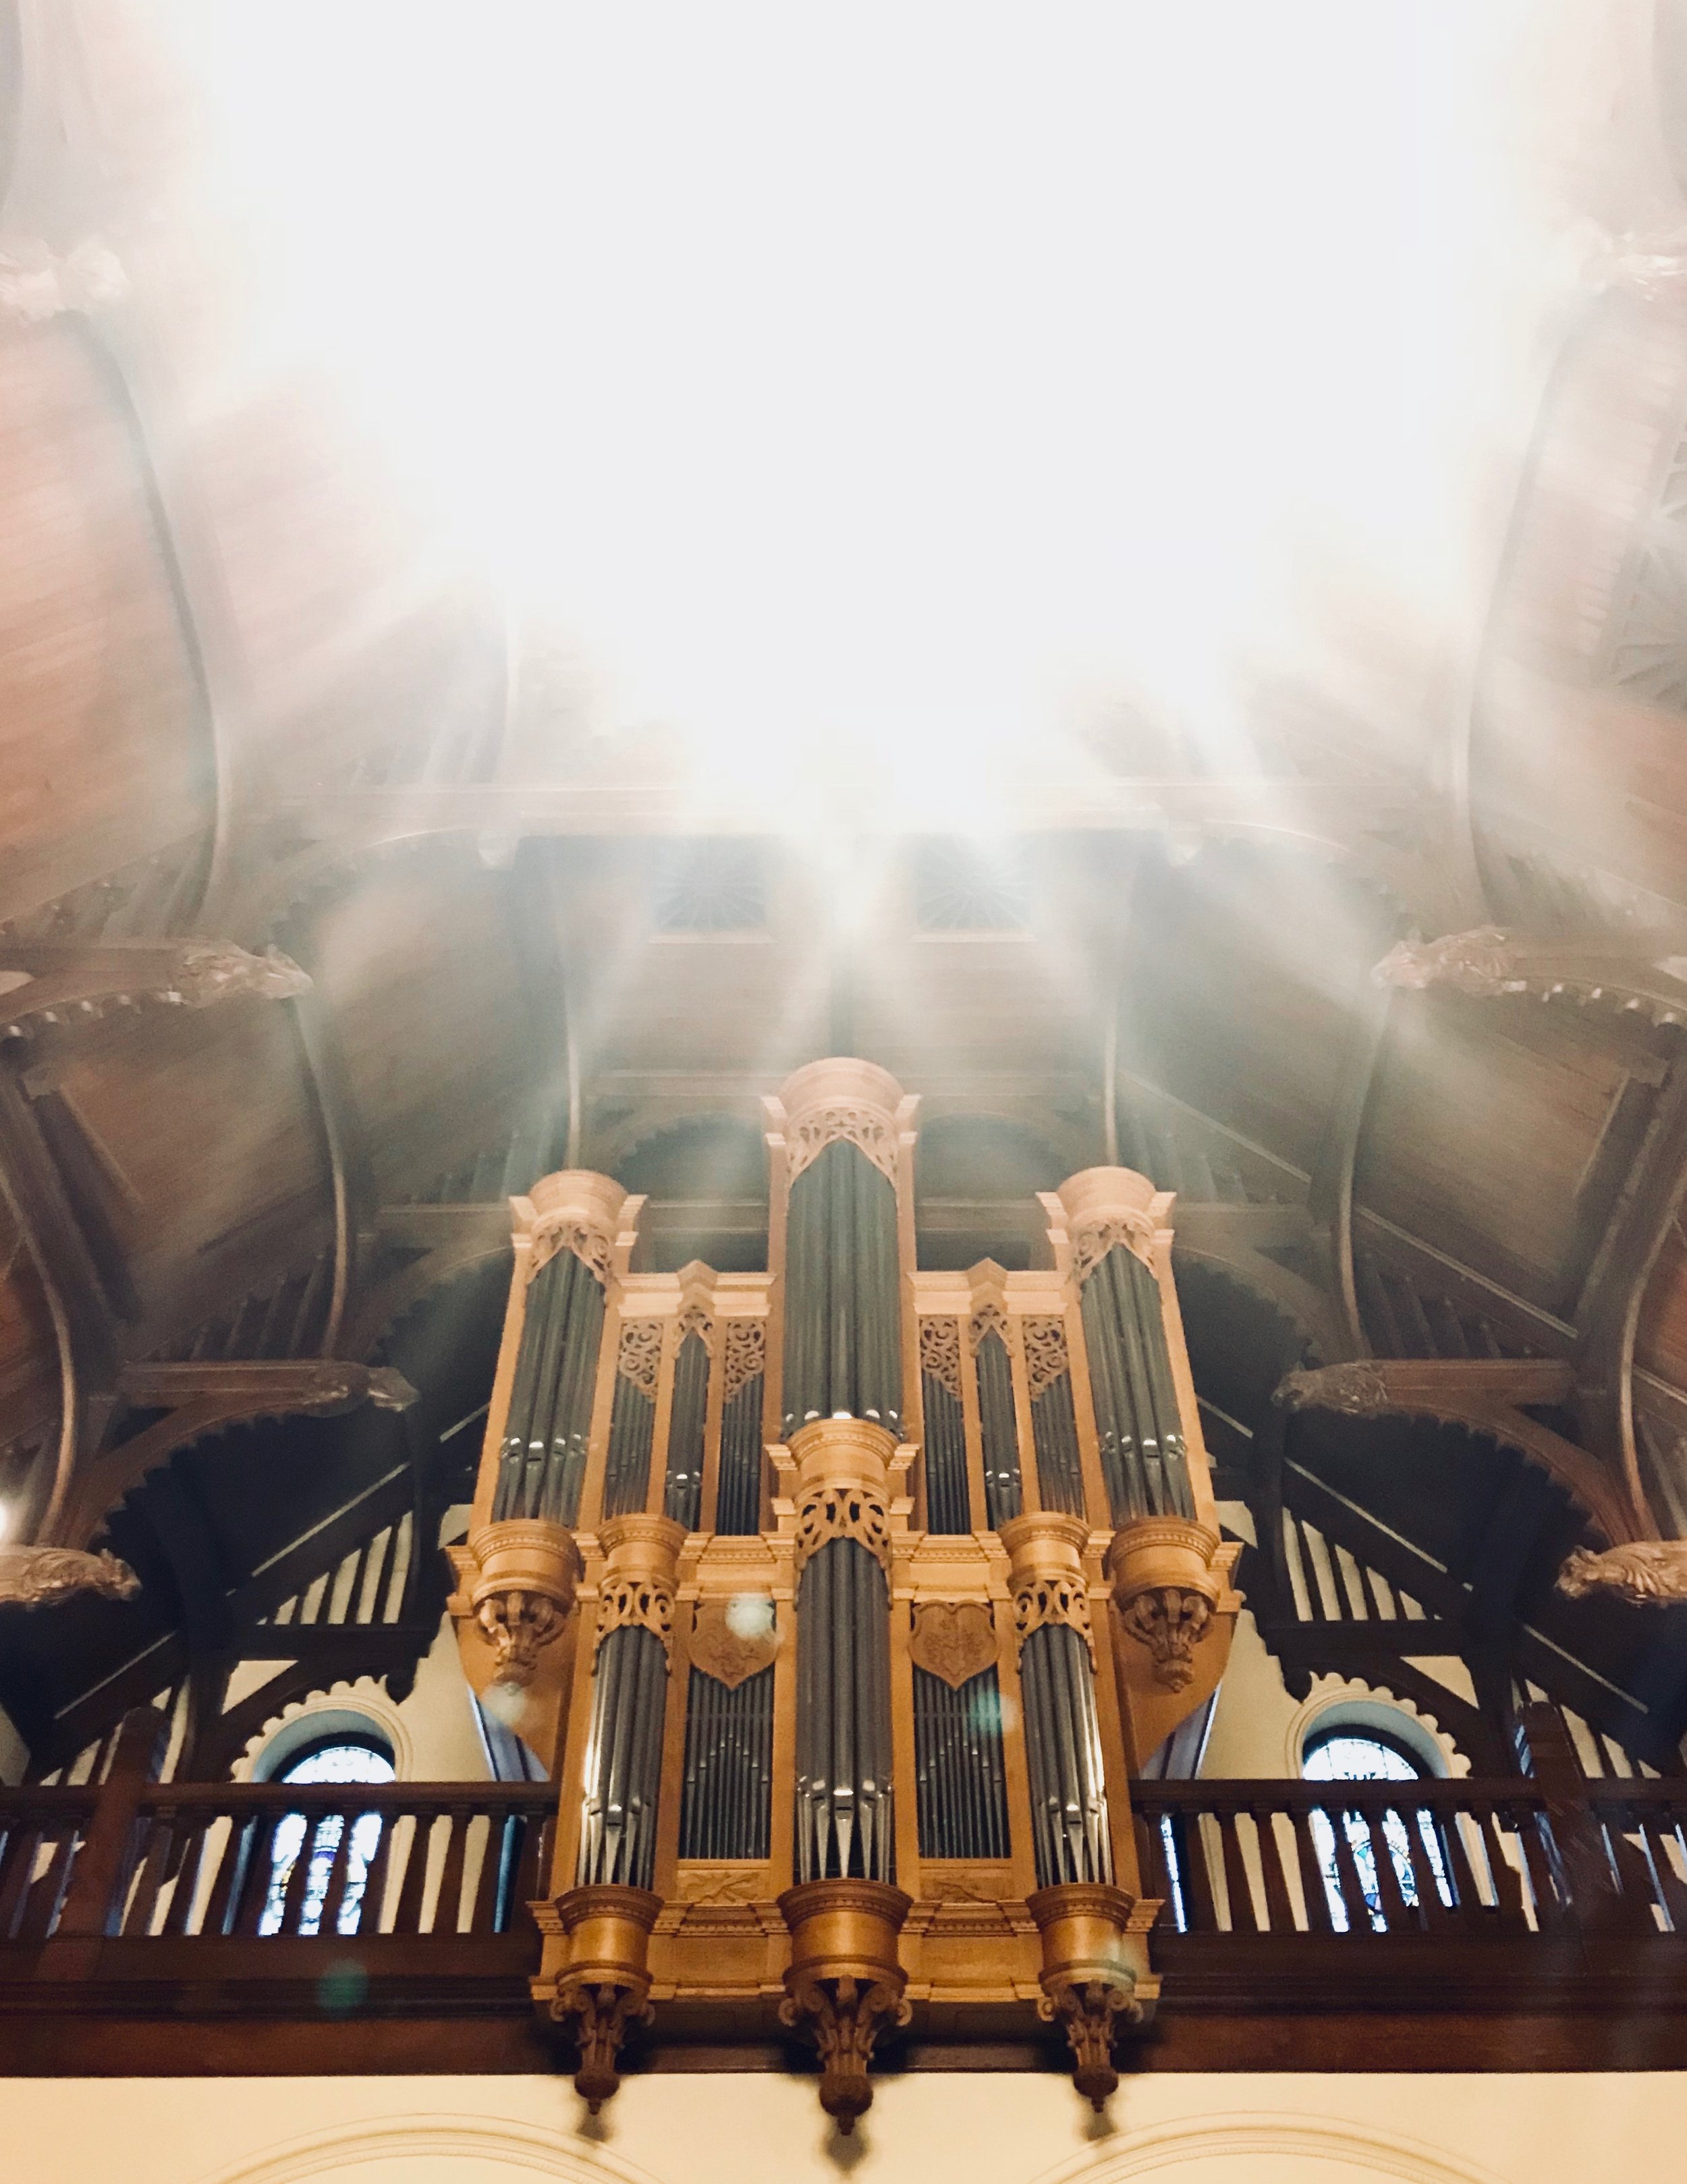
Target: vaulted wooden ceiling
{"type": "Point", "coordinates": [242, 706]}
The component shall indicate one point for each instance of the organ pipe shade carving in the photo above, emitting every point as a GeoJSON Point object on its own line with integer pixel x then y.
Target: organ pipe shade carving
{"type": "Point", "coordinates": [683, 1497]}
{"type": "Point", "coordinates": [1137, 1419]}
{"type": "Point", "coordinates": [1063, 1752]}
{"type": "Point", "coordinates": [999, 1428]}
{"type": "Point", "coordinates": [543, 1457]}
{"type": "Point", "coordinates": [947, 1499]}
{"type": "Point", "coordinates": [1054, 1428]}
{"type": "Point", "coordinates": [843, 1341]}
{"type": "Point", "coordinates": [843, 1810]}
{"type": "Point", "coordinates": [727, 1801]}
{"type": "Point", "coordinates": [626, 1470]}
{"type": "Point", "coordinates": [624, 1758]}
{"type": "Point", "coordinates": [958, 1767]}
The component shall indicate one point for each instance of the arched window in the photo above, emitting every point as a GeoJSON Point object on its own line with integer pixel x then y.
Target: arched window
{"type": "Point", "coordinates": [339, 1755]}
{"type": "Point", "coordinates": [1341, 1750]}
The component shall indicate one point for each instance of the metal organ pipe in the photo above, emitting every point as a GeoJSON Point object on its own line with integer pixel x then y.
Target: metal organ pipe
{"type": "Point", "coordinates": [1143, 1456]}
{"type": "Point", "coordinates": [843, 1333]}
{"type": "Point", "coordinates": [543, 1457]}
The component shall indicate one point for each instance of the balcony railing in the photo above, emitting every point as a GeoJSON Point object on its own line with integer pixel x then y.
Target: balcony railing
{"type": "Point", "coordinates": [404, 1906]}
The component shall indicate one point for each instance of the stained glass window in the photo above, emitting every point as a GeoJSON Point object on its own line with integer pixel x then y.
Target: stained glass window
{"type": "Point", "coordinates": [338, 1759]}
{"type": "Point", "coordinates": [1364, 1755]}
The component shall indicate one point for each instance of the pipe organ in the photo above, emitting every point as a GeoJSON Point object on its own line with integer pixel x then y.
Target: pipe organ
{"type": "Point", "coordinates": [843, 1600]}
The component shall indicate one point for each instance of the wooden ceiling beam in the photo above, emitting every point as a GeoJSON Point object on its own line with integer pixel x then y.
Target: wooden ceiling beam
{"type": "Point", "coordinates": [201, 1397]}
{"type": "Point", "coordinates": [1484, 1395]}
{"type": "Point", "coordinates": [58, 979]}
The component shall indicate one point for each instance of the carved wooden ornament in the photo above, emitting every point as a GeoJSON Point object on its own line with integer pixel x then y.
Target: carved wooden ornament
{"type": "Point", "coordinates": [734, 1640]}
{"type": "Point", "coordinates": [1045, 1353]}
{"type": "Point", "coordinates": [940, 1352]}
{"type": "Point", "coordinates": [746, 1355]}
{"type": "Point", "coordinates": [639, 1355]}
{"type": "Point", "coordinates": [955, 1639]}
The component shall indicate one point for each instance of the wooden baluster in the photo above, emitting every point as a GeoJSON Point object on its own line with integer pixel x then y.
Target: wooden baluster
{"type": "Point", "coordinates": [529, 1876]}
{"type": "Point", "coordinates": [1398, 1915]}
{"type": "Point", "coordinates": [24, 1839]}
{"type": "Point", "coordinates": [47, 1891]}
{"type": "Point", "coordinates": [339, 1872]}
{"type": "Point", "coordinates": [1243, 1918]}
{"type": "Point", "coordinates": [1314, 1882]}
{"type": "Point", "coordinates": [1634, 1872]}
{"type": "Point", "coordinates": [1153, 1864]}
{"type": "Point", "coordinates": [1528, 1824]}
{"type": "Point", "coordinates": [298, 1880]}
{"type": "Point", "coordinates": [1466, 1910]}
{"type": "Point", "coordinates": [194, 1836]}
{"type": "Point", "coordinates": [407, 1919]}
{"type": "Point", "coordinates": [448, 1905]}
{"type": "Point", "coordinates": [1349, 1884]}
{"type": "Point", "coordinates": [1279, 1905]}
{"type": "Point", "coordinates": [220, 1904]}
{"type": "Point", "coordinates": [375, 1880]}
{"type": "Point", "coordinates": [256, 1873]}
{"type": "Point", "coordinates": [1192, 1855]}
{"type": "Point", "coordinates": [485, 1911]}
{"type": "Point", "coordinates": [1661, 1830]}
{"type": "Point", "coordinates": [161, 1841]}
{"type": "Point", "coordinates": [1508, 1882]}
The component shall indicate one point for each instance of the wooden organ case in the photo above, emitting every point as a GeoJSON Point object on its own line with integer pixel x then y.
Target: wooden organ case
{"type": "Point", "coordinates": [843, 1602]}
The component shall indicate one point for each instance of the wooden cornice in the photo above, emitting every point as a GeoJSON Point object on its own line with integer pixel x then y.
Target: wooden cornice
{"type": "Point", "coordinates": [1486, 1395]}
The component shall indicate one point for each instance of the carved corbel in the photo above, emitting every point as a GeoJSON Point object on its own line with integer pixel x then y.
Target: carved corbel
{"type": "Point", "coordinates": [1489, 960]}
{"type": "Point", "coordinates": [844, 1986]}
{"type": "Point", "coordinates": [39, 1577]}
{"type": "Point", "coordinates": [1095, 1977]}
{"type": "Point", "coordinates": [601, 1991]}
{"type": "Point", "coordinates": [516, 1581]}
{"type": "Point", "coordinates": [1645, 1573]}
{"type": "Point", "coordinates": [1176, 1614]}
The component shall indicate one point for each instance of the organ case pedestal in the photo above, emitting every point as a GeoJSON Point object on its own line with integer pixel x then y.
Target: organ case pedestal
{"type": "Point", "coordinates": [843, 1602]}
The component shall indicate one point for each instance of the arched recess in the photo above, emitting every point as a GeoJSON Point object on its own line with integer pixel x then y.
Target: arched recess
{"type": "Point", "coordinates": [1236, 2148]}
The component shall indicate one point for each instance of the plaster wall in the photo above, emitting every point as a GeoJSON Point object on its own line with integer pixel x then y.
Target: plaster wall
{"type": "Point", "coordinates": [727, 2128]}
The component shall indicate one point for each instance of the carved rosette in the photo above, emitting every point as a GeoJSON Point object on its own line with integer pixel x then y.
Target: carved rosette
{"type": "Point", "coordinates": [1106, 1206]}
{"type": "Point", "coordinates": [38, 1576]}
{"type": "Point", "coordinates": [638, 1588]}
{"type": "Point", "coordinates": [1094, 1957]}
{"type": "Point", "coordinates": [841, 1100]}
{"type": "Point", "coordinates": [1645, 1573]}
{"type": "Point", "coordinates": [844, 1986]}
{"type": "Point", "coordinates": [843, 1486]}
{"type": "Point", "coordinates": [1485, 961]}
{"type": "Point", "coordinates": [1169, 1578]}
{"type": "Point", "coordinates": [602, 1990]}
{"type": "Point", "coordinates": [1045, 1573]}
{"type": "Point", "coordinates": [575, 1211]}
{"type": "Point", "coordinates": [517, 1579]}
{"type": "Point", "coordinates": [744, 1355]}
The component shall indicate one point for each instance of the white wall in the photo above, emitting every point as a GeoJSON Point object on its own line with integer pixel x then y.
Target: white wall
{"type": "Point", "coordinates": [929, 2128]}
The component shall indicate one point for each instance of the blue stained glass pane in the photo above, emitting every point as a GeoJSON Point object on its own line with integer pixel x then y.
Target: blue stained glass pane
{"type": "Point", "coordinates": [337, 1762]}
